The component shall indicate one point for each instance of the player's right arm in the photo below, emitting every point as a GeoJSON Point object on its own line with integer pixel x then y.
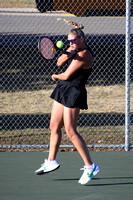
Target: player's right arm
{"type": "Point", "coordinates": [65, 57]}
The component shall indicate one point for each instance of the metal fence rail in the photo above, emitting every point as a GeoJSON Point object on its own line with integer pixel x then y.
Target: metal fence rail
{"type": "Point", "coordinates": [26, 77]}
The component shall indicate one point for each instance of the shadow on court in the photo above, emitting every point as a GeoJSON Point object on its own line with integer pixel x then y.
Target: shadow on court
{"type": "Point", "coordinates": [18, 181]}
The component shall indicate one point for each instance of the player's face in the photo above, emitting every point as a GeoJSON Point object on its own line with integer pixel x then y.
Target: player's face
{"type": "Point", "coordinates": [74, 41]}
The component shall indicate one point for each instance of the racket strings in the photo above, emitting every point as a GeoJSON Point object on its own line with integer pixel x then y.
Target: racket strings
{"type": "Point", "coordinates": [47, 48]}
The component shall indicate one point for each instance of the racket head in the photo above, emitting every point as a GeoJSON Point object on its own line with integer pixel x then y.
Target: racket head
{"type": "Point", "coordinates": [47, 48]}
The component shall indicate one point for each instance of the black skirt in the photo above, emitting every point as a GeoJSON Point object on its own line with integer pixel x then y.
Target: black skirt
{"type": "Point", "coordinates": [70, 95]}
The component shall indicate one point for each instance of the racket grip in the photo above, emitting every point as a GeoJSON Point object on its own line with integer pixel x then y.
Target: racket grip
{"type": "Point", "coordinates": [66, 52]}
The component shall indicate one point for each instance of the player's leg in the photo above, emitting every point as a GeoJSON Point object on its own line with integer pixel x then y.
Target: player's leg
{"type": "Point", "coordinates": [55, 127]}
{"type": "Point", "coordinates": [55, 138]}
{"type": "Point", "coordinates": [70, 123]}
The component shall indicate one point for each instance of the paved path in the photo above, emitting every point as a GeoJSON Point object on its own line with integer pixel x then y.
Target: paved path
{"type": "Point", "coordinates": [30, 21]}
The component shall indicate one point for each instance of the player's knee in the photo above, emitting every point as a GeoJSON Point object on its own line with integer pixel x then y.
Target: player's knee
{"type": "Point", "coordinates": [52, 127]}
{"type": "Point", "coordinates": [70, 133]}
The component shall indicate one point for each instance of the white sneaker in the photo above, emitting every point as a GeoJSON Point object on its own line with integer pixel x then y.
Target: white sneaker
{"type": "Point", "coordinates": [88, 173]}
{"type": "Point", "coordinates": [47, 166]}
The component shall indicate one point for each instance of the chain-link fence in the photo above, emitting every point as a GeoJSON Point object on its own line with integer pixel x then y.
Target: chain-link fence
{"type": "Point", "coordinates": [26, 77]}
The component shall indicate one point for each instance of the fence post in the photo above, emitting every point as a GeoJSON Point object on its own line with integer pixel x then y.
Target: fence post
{"type": "Point", "coordinates": [127, 78]}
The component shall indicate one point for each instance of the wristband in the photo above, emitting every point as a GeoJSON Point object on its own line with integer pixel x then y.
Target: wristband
{"type": "Point", "coordinates": [53, 76]}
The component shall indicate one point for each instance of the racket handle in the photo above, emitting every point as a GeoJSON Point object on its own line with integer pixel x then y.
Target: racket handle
{"type": "Point", "coordinates": [66, 52]}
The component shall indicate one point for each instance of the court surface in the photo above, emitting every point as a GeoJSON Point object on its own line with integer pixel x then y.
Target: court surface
{"type": "Point", "coordinates": [18, 181]}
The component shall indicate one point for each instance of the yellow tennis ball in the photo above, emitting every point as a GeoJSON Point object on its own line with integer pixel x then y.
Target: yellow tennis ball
{"type": "Point", "coordinates": [59, 44]}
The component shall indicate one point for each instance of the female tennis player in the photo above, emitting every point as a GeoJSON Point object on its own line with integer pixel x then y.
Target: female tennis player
{"type": "Point", "coordinates": [69, 97]}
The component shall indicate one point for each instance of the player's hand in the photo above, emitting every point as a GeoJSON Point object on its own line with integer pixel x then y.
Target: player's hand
{"type": "Point", "coordinates": [53, 77]}
{"type": "Point", "coordinates": [71, 53]}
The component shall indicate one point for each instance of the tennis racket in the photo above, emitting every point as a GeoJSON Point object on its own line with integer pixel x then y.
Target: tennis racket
{"type": "Point", "coordinates": [47, 48]}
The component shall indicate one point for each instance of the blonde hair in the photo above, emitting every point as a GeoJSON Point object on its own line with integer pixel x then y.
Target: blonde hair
{"type": "Point", "coordinates": [78, 32]}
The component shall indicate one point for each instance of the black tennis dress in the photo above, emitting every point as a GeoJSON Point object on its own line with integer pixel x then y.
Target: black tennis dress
{"type": "Point", "coordinates": [72, 92]}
